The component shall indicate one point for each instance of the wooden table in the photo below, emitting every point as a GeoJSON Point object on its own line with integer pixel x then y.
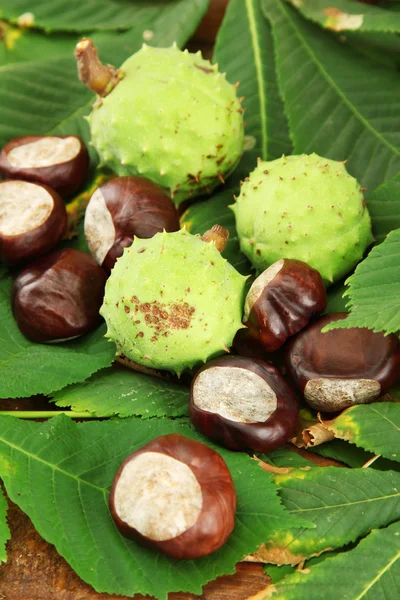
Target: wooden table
{"type": "Point", "coordinates": [34, 570]}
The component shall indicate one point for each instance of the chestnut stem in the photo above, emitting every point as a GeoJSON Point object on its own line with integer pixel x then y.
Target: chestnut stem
{"type": "Point", "coordinates": [100, 78]}
{"type": "Point", "coordinates": [370, 461]}
{"type": "Point", "coordinates": [46, 414]}
{"type": "Point", "coordinates": [216, 234]}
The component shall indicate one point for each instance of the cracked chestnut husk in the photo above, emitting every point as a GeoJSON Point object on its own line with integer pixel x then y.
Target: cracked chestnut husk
{"type": "Point", "coordinates": [58, 297]}
{"type": "Point", "coordinates": [61, 162]}
{"type": "Point", "coordinates": [281, 302]}
{"type": "Point", "coordinates": [124, 208]}
{"type": "Point", "coordinates": [33, 220]}
{"type": "Point", "coordinates": [243, 403]}
{"type": "Point", "coordinates": [342, 367]}
{"type": "Point", "coordinates": [175, 495]}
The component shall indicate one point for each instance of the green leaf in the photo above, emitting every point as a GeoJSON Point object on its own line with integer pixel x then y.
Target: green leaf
{"type": "Point", "coordinates": [125, 393]}
{"type": "Point", "coordinates": [23, 44]}
{"type": "Point", "coordinates": [27, 368]}
{"type": "Point", "coordinates": [284, 457]}
{"type": "Point", "coordinates": [374, 427]}
{"type": "Point", "coordinates": [343, 503]}
{"type": "Point", "coordinates": [373, 293]}
{"type": "Point", "coordinates": [45, 96]}
{"type": "Point", "coordinates": [348, 15]}
{"type": "Point", "coordinates": [370, 571]}
{"type": "Point", "coordinates": [352, 456]}
{"type": "Point", "coordinates": [244, 49]}
{"type": "Point", "coordinates": [90, 15]}
{"type": "Point", "coordinates": [201, 216]}
{"type": "Point", "coordinates": [336, 302]}
{"type": "Point", "coordinates": [42, 97]}
{"type": "Point", "coordinates": [4, 529]}
{"type": "Point", "coordinates": [384, 208]}
{"type": "Point", "coordinates": [382, 48]}
{"type": "Point", "coordinates": [330, 111]}
{"type": "Point", "coordinates": [60, 472]}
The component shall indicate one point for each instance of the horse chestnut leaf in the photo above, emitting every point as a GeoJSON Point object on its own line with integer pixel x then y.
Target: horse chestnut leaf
{"type": "Point", "coordinates": [243, 403]}
{"type": "Point", "coordinates": [175, 495]}
{"type": "Point", "coordinates": [58, 297]}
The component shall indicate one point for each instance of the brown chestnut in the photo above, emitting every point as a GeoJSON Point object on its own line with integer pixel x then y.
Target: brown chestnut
{"type": "Point", "coordinates": [281, 301]}
{"type": "Point", "coordinates": [342, 367]}
{"type": "Point", "coordinates": [33, 219]}
{"type": "Point", "coordinates": [175, 495]}
{"type": "Point", "coordinates": [121, 209]}
{"type": "Point", "coordinates": [61, 162]}
{"type": "Point", "coordinates": [243, 403]}
{"type": "Point", "coordinates": [58, 297]}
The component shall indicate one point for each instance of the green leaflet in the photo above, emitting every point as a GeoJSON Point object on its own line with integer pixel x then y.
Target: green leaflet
{"type": "Point", "coordinates": [45, 96]}
{"type": "Point", "coordinates": [329, 113]}
{"type": "Point", "coordinates": [245, 51]}
{"type": "Point", "coordinates": [24, 44]}
{"type": "Point", "coordinates": [74, 15]}
{"type": "Point", "coordinates": [125, 393]}
{"type": "Point", "coordinates": [352, 456]}
{"type": "Point", "coordinates": [59, 473]}
{"type": "Point", "coordinates": [344, 504]}
{"type": "Point", "coordinates": [348, 15]}
{"type": "Point", "coordinates": [336, 301]}
{"type": "Point", "coordinates": [201, 216]}
{"type": "Point", "coordinates": [38, 97]}
{"type": "Point", "coordinates": [4, 530]}
{"type": "Point", "coordinates": [384, 208]}
{"type": "Point", "coordinates": [369, 572]}
{"type": "Point", "coordinates": [373, 293]}
{"type": "Point", "coordinates": [374, 427]}
{"type": "Point", "coordinates": [284, 457]}
{"type": "Point", "coordinates": [27, 368]}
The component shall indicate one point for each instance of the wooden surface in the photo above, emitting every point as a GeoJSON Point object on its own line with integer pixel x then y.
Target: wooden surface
{"type": "Point", "coordinates": [34, 571]}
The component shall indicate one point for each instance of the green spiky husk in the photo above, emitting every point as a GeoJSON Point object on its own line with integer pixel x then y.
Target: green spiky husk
{"type": "Point", "coordinates": [172, 118]}
{"type": "Point", "coordinates": [172, 302]}
{"type": "Point", "coordinates": [303, 207]}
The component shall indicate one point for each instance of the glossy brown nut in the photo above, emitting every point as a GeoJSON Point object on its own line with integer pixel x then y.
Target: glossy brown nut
{"type": "Point", "coordinates": [175, 495]}
{"type": "Point", "coordinates": [342, 367]}
{"type": "Point", "coordinates": [281, 302]}
{"type": "Point", "coordinates": [58, 297]}
{"type": "Point", "coordinates": [61, 162]}
{"type": "Point", "coordinates": [243, 403]}
{"type": "Point", "coordinates": [121, 209]}
{"type": "Point", "coordinates": [33, 219]}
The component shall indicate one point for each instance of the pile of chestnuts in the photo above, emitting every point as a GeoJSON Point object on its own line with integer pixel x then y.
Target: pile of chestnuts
{"type": "Point", "coordinates": [175, 494]}
{"type": "Point", "coordinates": [58, 293]}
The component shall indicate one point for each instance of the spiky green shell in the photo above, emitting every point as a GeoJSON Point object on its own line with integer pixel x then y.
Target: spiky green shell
{"type": "Point", "coordinates": [303, 207]}
{"type": "Point", "coordinates": [172, 301]}
{"type": "Point", "coordinates": [172, 118]}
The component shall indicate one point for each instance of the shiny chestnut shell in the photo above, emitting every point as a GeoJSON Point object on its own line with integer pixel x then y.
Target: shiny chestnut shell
{"type": "Point", "coordinates": [31, 238]}
{"type": "Point", "coordinates": [281, 302]}
{"type": "Point", "coordinates": [122, 208]}
{"type": "Point", "coordinates": [363, 364]}
{"type": "Point", "coordinates": [215, 522]}
{"type": "Point", "coordinates": [259, 436]}
{"type": "Point", "coordinates": [58, 297]}
{"type": "Point", "coordinates": [66, 177]}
